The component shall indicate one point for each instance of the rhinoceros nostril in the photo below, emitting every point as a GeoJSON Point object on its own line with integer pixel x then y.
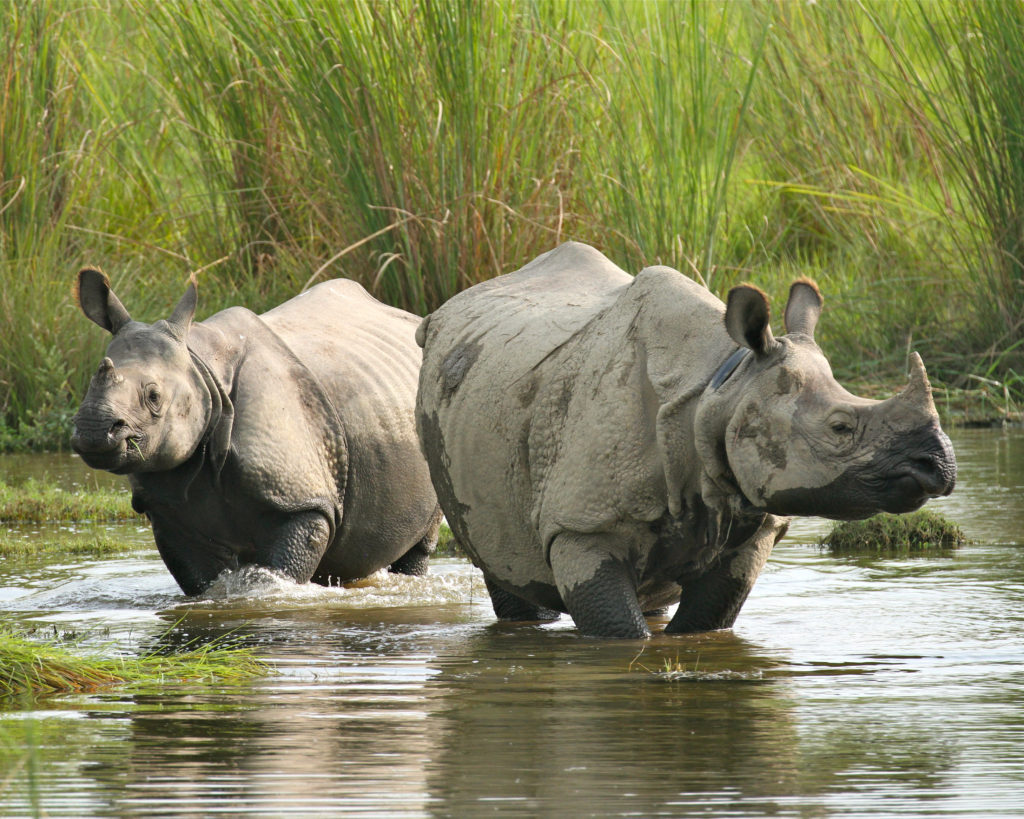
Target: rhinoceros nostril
{"type": "Point", "coordinates": [118, 430]}
{"type": "Point", "coordinates": [934, 473]}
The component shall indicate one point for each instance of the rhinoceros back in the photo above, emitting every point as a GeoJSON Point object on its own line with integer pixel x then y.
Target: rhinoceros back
{"type": "Point", "coordinates": [475, 422]}
{"type": "Point", "coordinates": [360, 349]}
{"type": "Point", "coordinates": [364, 355]}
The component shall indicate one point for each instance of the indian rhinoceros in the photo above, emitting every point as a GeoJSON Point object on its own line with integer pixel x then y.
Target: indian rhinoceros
{"type": "Point", "coordinates": [607, 446]}
{"type": "Point", "coordinates": [284, 440]}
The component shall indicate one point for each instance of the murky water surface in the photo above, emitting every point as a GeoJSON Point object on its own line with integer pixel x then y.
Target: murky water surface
{"type": "Point", "coordinates": [849, 687]}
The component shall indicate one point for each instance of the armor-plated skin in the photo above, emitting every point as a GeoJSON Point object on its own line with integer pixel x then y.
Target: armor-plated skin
{"type": "Point", "coordinates": [284, 440]}
{"type": "Point", "coordinates": [606, 445]}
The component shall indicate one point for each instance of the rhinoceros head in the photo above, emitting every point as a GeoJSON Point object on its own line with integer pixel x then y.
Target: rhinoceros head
{"type": "Point", "coordinates": [147, 406]}
{"type": "Point", "coordinates": [778, 426]}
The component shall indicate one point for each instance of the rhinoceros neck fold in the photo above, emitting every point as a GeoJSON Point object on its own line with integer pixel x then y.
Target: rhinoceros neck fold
{"type": "Point", "coordinates": [728, 368]}
{"type": "Point", "coordinates": [217, 435]}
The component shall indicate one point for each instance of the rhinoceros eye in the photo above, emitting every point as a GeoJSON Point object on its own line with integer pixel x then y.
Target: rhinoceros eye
{"type": "Point", "coordinates": [152, 394]}
{"type": "Point", "coordinates": [841, 424]}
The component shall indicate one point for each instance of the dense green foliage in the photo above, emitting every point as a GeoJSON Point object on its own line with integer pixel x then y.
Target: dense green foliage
{"type": "Point", "coordinates": [921, 531]}
{"type": "Point", "coordinates": [424, 145]}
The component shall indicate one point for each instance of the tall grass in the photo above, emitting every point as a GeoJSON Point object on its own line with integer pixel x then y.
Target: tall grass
{"type": "Point", "coordinates": [420, 146]}
{"type": "Point", "coordinates": [41, 176]}
{"type": "Point", "coordinates": [662, 185]}
{"type": "Point", "coordinates": [973, 90]}
{"type": "Point", "coordinates": [847, 180]}
{"type": "Point", "coordinates": [417, 146]}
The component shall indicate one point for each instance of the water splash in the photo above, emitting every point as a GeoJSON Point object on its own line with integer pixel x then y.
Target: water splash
{"type": "Point", "coordinates": [259, 587]}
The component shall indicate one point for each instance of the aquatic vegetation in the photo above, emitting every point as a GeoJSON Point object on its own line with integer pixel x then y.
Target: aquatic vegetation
{"type": "Point", "coordinates": [917, 532]}
{"type": "Point", "coordinates": [36, 501]}
{"type": "Point", "coordinates": [50, 666]}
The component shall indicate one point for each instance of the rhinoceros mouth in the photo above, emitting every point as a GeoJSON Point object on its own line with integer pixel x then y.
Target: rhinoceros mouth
{"type": "Point", "coordinates": [122, 457]}
{"type": "Point", "coordinates": [855, 496]}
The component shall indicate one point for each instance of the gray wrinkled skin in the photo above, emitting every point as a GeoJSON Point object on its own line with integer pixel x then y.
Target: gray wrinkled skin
{"type": "Point", "coordinates": [284, 440]}
{"type": "Point", "coordinates": [593, 456]}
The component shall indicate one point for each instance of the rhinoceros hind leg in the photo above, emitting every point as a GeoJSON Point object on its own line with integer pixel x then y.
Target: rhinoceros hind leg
{"type": "Point", "coordinates": [415, 562]}
{"type": "Point", "coordinates": [598, 589]}
{"type": "Point", "coordinates": [509, 606]}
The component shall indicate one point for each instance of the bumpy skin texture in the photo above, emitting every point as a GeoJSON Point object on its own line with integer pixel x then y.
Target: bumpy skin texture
{"type": "Point", "coordinates": [594, 453]}
{"type": "Point", "coordinates": [283, 440]}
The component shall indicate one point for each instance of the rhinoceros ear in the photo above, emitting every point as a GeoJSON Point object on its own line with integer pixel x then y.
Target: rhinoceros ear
{"type": "Point", "coordinates": [746, 319]}
{"type": "Point", "coordinates": [181, 318]}
{"type": "Point", "coordinates": [98, 301]}
{"type": "Point", "coordinates": [803, 308]}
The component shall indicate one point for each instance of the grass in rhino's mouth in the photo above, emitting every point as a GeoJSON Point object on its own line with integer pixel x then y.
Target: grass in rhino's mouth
{"type": "Point", "coordinates": [132, 443]}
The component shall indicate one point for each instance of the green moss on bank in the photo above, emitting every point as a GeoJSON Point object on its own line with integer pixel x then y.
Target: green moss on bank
{"type": "Point", "coordinates": [919, 532]}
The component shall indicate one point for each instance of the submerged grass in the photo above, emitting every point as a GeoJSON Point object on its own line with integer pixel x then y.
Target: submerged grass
{"type": "Point", "coordinates": [37, 502]}
{"type": "Point", "coordinates": [29, 666]}
{"type": "Point", "coordinates": [923, 531]}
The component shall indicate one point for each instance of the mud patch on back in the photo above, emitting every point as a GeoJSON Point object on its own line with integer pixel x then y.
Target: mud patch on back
{"type": "Point", "coordinates": [439, 463]}
{"type": "Point", "coordinates": [455, 366]}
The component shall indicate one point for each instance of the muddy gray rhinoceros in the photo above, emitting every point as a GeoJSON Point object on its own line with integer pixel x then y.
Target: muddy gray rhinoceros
{"type": "Point", "coordinates": [606, 446]}
{"type": "Point", "coordinates": [283, 440]}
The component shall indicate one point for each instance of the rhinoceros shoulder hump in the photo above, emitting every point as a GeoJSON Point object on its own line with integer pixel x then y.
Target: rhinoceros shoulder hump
{"type": "Point", "coordinates": [674, 289]}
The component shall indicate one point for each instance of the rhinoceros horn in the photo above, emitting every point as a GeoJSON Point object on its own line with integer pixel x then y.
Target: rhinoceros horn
{"type": "Point", "coordinates": [918, 392]}
{"type": "Point", "coordinates": [107, 373]}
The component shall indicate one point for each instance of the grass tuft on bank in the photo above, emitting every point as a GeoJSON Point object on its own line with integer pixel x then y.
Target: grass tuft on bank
{"type": "Point", "coordinates": [19, 547]}
{"type": "Point", "coordinates": [36, 502]}
{"type": "Point", "coordinates": [921, 532]}
{"type": "Point", "coordinates": [30, 666]}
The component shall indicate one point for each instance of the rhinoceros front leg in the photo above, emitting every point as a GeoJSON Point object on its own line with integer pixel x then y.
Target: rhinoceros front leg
{"type": "Point", "coordinates": [193, 564]}
{"type": "Point", "coordinates": [597, 587]}
{"type": "Point", "coordinates": [713, 598]}
{"type": "Point", "coordinates": [297, 545]}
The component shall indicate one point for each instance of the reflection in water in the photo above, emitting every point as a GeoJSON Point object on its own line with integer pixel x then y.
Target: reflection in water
{"type": "Point", "coordinates": [570, 727]}
{"type": "Point", "coordinates": [848, 687]}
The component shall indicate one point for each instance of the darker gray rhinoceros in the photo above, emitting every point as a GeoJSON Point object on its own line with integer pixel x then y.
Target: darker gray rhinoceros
{"type": "Point", "coordinates": [283, 440]}
{"type": "Point", "coordinates": [605, 445]}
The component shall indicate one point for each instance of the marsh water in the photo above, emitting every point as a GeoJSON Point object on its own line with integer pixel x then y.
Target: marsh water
{"type": "Point", "coordinates": [848, 687]}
